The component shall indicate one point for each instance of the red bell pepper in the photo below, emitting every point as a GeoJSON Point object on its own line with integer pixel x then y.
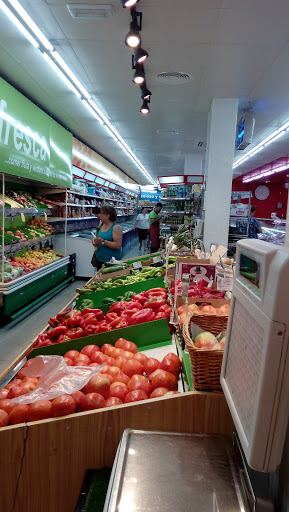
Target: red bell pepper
{"type": "Point", "coordinates": [157, 294]}
{"type": "Point", "coordinates": [154, 303]}
{"type": "Point", "coordinates": [98, 313]}
{"type": "Point", "coordinates": [57, 331]}
{"type": "Point", "coordinates": [146, 315]}
{"type": "Point", "coordinates": [75, 333]}
{"type": "Point", "coordinates": [89, 318]}
{"type": "Point", "coordinates": [133, 305]}
{"type": "Point", "coordinates": [109, 317]}
{"type": "Point", "coordinates": [75, 320]}
{"type": "Point", "coordinates": [118, 307]}
{"type": "Point", "coordinates": [165, 309]}
{"type": "Point", "coordinates": [139, 298]}
{"type": "Point", "coordinates": [89, 329]}
{"type": "Point", "coordinates": [102, 327]}
{"type": "Point", "coordinates": [115, 322]}
{"type": "Point", "coordinates": [164, 290]}
{"type": "Point", "coordinates": [53, 322]}
{"type": "Point", "coordinates": [160, 315]}
{"type": "Point", "coordinates": [129, 312]}
{"type": "Point", "coordinates": [122, 324]}
{"type": "Point", "coordinates": [62, 314]}
{"type": "Point", "coordinates": [40, 339]}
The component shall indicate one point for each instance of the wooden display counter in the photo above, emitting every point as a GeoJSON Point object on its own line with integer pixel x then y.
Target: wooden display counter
{"type": "Point", "coordinates": [43, 463]}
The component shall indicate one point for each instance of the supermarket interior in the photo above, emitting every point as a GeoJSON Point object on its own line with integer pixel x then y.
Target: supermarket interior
{"type": "Point", "coordinates": [144, 247]}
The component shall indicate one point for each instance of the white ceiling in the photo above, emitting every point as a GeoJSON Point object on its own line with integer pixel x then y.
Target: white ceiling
{"type": "Point", "coordinates": [231, 49]}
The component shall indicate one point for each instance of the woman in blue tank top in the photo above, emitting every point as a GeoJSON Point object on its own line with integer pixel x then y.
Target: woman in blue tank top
{"type": "Point", "coordinates": [108, 243]}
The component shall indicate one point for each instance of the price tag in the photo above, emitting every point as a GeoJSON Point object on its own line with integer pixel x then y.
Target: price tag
{"type": "Point", "coordinates": [185, 285]}
{"type": "Point", "coordinates": [137, 265]}
{"type": "Point", "coordinates": [22, 217]}
{"type": "Point", "coordinates": [45, 215]}
{"type": "Point", "coordinates": [224, 284]}
{"type": "Point", "coordinates": [37, 245]}
{"type": "Point", "coordinates": [157, 259]}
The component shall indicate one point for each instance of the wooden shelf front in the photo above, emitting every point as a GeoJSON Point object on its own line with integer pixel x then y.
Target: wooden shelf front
{"type": "Point", "coordinates": [43, 463]}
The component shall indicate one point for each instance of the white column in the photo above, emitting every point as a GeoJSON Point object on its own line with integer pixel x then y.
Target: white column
{"type": "Point", "coordinates": [286, 242]}
{"type": "Point", "coordinates": [219, 161]}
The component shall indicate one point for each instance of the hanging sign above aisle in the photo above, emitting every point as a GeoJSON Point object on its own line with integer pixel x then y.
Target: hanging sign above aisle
{"type": "Point", "coordinates": [32, 145]}
{"type": "Point", "coordinates": [150, 196]}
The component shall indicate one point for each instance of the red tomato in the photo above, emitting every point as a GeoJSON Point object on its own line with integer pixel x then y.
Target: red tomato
{"type": "Point", "coordinates": [98, 357]}
{"type": "Point", "coordinates": [139, 356]}
{"type": "Point", "coordinates": [68, 361]}
{"type": "Point", "coordinates": [139, 382]}
{"type": "Point", "coordinates": [91, 401]}
{"type": "Point", "coordinates": [84, 358]}
{"type": "Point", "coordinates": [117, 352]}
{"type": "Point", "coordinates": [40, 410]}
{"type": "Point", "coordinates": [72, 354]}
{"type": "Point", "coordinates": [159, 392]}
{"type": "Point", "coordinates": [135, 396]}
{"type": "Point", "coordinates": [15, 382]}
{"type": "Point", "coordinates": [130, 347]}
{"type": "Point", "coordinates": [205, 343]}
{"type": "Point", "coordinates": [18, 391]}
{"type": "Point", "coordinates": [98, 384]}
{"type": "Point", "coordinates": [121, 377]}
{"type": "Point", "coordinates": [111, 401]}
{"type": "Point", "coordinates": [163, 379]}
{"type": "Point", "coordinates": [174, 357]}
{"type": "Point", "coordinates": [20, 374]}
{"type": "Point", "coordinates": [120, 342]}
{"type": "Point", "coordinates": [120, 361]}
{"type": "Point", "coordinates": [169, 365]}
{"type": "Point", "coordinates": [105, 369]}
{"type": "Point", "coordinates": [63, 405]}
{"type": "Point", "coordinates": [133, 367]}
{"type": "Point", "coordinates": [30, 380]}
{"type": "Point", "coordinates": [89, 349]}
{"type": "Point", "coordinates": [19, 414]}
{"type": "Point", "coordinates": [109, 377]}
{"type": "Point", "coordinates": [6, 405]}
{"type": "Point", "coordinates": [94, 364]}
{"type": "Point", "coordinates": [110, 361]}
{"type": "Point", "coordinates": [112, 370]}
{"type": "Point", "coordinates": [3, 393]}
{"type": "Point", "coordinates": [80, 363]}
{"type": "Point", "coordinates": [31, 385]}
{"type": "Point", "coordinates": [127, 354]}
{"type": "Point", "coordinates": [4, 418]}
{"type": "Point", "coordinates": [107, 349]}
{"type": "Point", "coordinates": [77, 395]}
{"type": "Point", "coordinates": [150, 365]}
{"type": "Point", "coordinates": [119, 390]}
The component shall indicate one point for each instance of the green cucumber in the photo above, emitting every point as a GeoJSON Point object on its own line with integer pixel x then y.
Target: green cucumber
{"type": "Point", "coordinates": [115, 268]}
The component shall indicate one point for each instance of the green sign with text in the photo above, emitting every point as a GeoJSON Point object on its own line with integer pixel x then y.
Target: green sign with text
{"type": "Point", "coordinates": [32, 145]}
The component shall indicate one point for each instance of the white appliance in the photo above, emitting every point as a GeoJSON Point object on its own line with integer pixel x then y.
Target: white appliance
{"type": "Point", "coordinates": [255, 370]}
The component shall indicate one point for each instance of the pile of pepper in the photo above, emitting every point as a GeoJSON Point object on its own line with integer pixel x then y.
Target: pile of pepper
{"type": "Point", "coordinates": [72, 324]}
{"type": "Point", "coordinates": [199, 289]}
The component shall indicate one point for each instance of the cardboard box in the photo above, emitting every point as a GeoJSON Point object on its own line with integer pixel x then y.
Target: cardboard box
{"type": "Point", "coordinates": [199, 268]}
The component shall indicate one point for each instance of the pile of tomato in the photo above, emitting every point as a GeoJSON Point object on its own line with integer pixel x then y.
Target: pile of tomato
{"type": "Point", "coordinates": [128, 376]}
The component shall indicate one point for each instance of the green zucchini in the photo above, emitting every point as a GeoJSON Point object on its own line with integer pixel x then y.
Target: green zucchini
{"type": "Point", "coordinates": [115, 268]}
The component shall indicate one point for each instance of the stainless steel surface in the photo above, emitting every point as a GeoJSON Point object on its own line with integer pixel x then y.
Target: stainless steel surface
{"type": "Point", "coordinates": [163, 472]}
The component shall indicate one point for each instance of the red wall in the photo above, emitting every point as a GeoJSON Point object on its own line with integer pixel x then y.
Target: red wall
{"type": "Point", "coordinates": [278, 193]}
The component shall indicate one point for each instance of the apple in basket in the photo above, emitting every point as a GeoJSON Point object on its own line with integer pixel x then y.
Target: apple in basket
{"type": "Point", "coordinates": [205, 340]}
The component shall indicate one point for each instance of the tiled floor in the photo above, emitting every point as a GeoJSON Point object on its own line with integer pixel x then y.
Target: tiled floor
{"type": "Point", "coordinates": [15, 336]}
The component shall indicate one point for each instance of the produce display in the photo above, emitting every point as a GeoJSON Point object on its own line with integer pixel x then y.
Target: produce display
{"type": "Point", "coordinates": [32, 230]}
{"type": "Point", "coordinates": [206, 309]}
{"type": "Point", "coordinates": [208, 341]}
{"type": "Point", "coordinates": [135, 277]}
{"type": "Point", "coordinates": [20, 199]}
{"type": "Point", "coordinates": [16, 266]}
{"type": "Point", "coordinates": [200, 289]}
{"type": "Point", "coordinates": [125, 376]}
{"type": "Point", "coordinates": [73, 324]}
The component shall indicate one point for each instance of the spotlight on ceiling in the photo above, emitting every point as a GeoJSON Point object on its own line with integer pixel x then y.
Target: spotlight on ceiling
{"type": "Point", "coordinates": [128, 3]}
{"type": "Point", "coordinates": [133, 38]}
{"type": "Point", "coordinates": [139, 75]}
{"type": "Point", "coordinates": [140, 55]}
{"type": "Point", "coordinates": [145, 109]}
{"type": "Point", "coordinates": [145, 92]}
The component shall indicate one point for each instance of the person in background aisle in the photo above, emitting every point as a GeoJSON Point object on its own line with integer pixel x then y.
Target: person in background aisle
{"type": "Point", "coordinates": [154, 229]}
{"type": "Point", "coordinates": [142, 224]}
{"type": "Point", "coordinates": [108, 243]}
{"type": "Point", "coordinates": [254, 225]}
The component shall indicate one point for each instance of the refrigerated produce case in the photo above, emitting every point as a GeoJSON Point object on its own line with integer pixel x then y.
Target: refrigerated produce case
{"type": "Point", "coordinates": [273, 230]}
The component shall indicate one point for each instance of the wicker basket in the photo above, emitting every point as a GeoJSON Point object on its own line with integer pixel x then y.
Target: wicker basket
{"type": "Point", "coordinates": [205, 364]}
{"type": "Point", "coordinates": [211, 323]}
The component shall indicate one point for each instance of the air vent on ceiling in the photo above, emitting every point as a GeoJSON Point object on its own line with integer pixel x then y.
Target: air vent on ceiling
{"type": "Point", "coordinates": [174, 77]}
{"type": "Point", "coordinates": [164, 131]}
{"type": "Point", "coordinates": [90, 11]}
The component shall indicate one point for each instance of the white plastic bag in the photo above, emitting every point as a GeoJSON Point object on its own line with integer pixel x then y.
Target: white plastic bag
{"type": "Point", "coordinates": [55, 378]}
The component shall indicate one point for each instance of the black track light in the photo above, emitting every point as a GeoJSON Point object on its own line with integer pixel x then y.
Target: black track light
{"type": "Point", "coordinates": [140, 55]}
{"type": "Point", "coordinates": [145, 109]}
{"type": "Point", "coordinates": [133, 38]}
{"type": "Point", "coordinates": [128, 3]}
{"type": "Point", "coordinates": [139, 75]}
{"type": "Point", "coordinates": [145, 92]}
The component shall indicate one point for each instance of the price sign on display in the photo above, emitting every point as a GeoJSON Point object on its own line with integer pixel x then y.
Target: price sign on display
{"type": "Point", "coordinates": [185, 285]}
{"type": "Point", "coordinates": [45, 215]}
{"type": "Point", "coordinates": [137, 265]}
{"type": "Point", "coordinates": [22, 217]}
{"type": "Point", "coordinates": [37, 245]}
{"type": "Point", "coordinates": [157, 259]}
{"type": "Point", "coordinates": [224, 283]}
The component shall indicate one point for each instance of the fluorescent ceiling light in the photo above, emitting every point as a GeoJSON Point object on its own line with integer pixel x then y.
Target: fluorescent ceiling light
{"type": "Point", "coordinates": [267, 173]}
{"type": "Point", "coordinates": [49, 57]}
{"type": "Point", "coordinates": [62, 75]}
{"type": "Point", "coordinates": [18, 24]}
{"type": "Point", "coordinates": [19, 9]}
{"type": "Point", "coordinates": [70, 74]}
{"type": "Point", "coordinates": [265, 142]}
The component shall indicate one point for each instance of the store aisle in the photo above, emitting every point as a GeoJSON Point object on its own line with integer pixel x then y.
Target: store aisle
{"type": "Point", "coordinates": [134, 252]}
{"type": "Point", "coordinates": [15, 336]}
